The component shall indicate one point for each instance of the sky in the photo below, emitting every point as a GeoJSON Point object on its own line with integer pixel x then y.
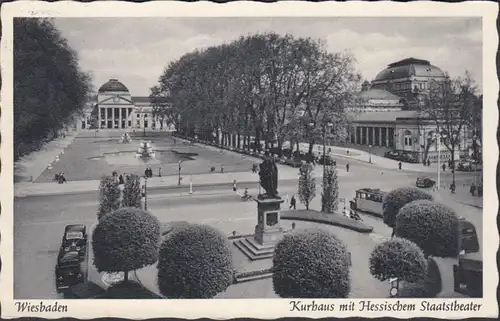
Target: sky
{"type": "Point", "coordinates": [136, 50]}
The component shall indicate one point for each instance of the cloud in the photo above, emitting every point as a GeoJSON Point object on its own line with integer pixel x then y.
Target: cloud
{"type": "Point", "coordinates": [136, 50]}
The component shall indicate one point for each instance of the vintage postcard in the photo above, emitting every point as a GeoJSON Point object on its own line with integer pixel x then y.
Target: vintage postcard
{"type": "Point", "coordinates": [321, 159]}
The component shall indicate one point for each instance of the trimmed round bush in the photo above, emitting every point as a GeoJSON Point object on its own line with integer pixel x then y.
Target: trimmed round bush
{"type": "Point", "coordinates": [398, 258]}
{"type": "Point", "coordinates": [311, 263]}
{"type": "Point", "coordinates": [125, 240]}
{"type": "Point", "coordinates": [433, 227]}
{"type": "Point", "coordinates": [396, 199]}
{"type": "Point", "coordinates": [195, 262]}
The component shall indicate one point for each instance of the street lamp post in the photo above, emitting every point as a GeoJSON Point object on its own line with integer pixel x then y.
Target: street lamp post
{"type": "Point", "coordinates": [370, 154]}
{"type": "Point", "coordinates": [179, 181]}
{"type": "Point", "coordinates": [438, 144]}
{"type": "Point", "coordinates": [145, 193]}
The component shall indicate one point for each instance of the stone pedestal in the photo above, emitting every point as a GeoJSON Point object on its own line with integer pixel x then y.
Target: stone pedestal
{"type": "Point", "coordinates": [267, 231]}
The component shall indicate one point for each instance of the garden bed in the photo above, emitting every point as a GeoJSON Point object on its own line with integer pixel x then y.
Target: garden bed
{"type": "Point", "coordinates": [327, 218]}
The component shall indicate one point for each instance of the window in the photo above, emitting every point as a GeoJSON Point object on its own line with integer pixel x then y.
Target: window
{"type": "Point", "coordinates": [138, 123]}
{"type": "Point", "coordinates": [408, 138]}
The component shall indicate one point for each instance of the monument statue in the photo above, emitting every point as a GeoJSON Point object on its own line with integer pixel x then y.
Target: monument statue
{"type": "Point", "coordinates": [268, 175]}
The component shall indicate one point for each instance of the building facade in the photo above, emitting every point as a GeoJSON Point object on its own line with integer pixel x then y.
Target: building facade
{"type": "Point", "coordinates": [115, 108]}
{"type": "Point", "coordinates": [385, 118]}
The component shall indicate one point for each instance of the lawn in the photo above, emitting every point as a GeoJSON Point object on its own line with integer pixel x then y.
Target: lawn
{"type": "Point", "coordinates": [83, 159]}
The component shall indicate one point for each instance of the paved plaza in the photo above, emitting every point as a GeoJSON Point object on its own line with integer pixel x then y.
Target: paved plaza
{"type": "Point", "coordinates": [39, 220]}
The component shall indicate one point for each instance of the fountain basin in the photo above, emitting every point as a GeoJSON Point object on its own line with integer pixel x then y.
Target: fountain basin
{"type": "Point", "coordinates": [129, 158]}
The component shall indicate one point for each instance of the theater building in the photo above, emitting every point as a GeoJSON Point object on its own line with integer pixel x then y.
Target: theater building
{"type": "Point", "coordinates": [115, 108]}
{"type": "Point", "coordinates": [386, 119]}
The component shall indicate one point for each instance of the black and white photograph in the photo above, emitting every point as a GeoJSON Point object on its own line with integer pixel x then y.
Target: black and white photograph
{"type": "Point", "coordinates": [339, 162]}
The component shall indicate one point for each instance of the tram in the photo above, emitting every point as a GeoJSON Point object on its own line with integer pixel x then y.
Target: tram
{"type": "Point", "coordinates": [368, 200]}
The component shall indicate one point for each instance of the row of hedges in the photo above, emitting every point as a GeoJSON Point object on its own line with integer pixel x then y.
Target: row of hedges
{"type": "Point", "coordinates": [422, 229]}
{"type": "Point", "coordinates": [195, 261]}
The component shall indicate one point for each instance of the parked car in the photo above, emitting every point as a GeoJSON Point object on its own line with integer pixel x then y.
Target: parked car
{"type": "Point", "coordinates": [425, 182]}
{"type": "Point", "coordinates": [468, 275]}
{"type": "Point", "coordinates": [74, 240]}
{"type": "Point", "coordinates": [401, 156]}
{"type": "Point", "coordinates": [392, 155]}
{"type": "Point", "coordinates": [69, 270]}
{"type": "Point", "coordinates": [469, 166]}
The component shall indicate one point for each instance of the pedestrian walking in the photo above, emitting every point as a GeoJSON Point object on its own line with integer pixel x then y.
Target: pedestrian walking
{"type": "Point", "coordinates": [444, 167]}
{"type": "Point", "coordinates": [452, 188]}
{"type": "Point", "coordinates": [473, 189]}
{"type": "Point", "coordinates": [146, 173]}
{"type": "Point", "coordinates": [159, 171]}
{"type": "Point", "coordinates": [120, 180]}
{"type": "Point", "coordinates": [400, 165]}
{"type": "Point", "coordinates": [222, 168]}
{"type": "Point", "coordinates": [347, 167]}
{"type": "Point", "coordinates": [234, 186]}
{"type": "Point", "coordinates": [293, 203]}
{"type": "Point", "coordinates": [428, 162]}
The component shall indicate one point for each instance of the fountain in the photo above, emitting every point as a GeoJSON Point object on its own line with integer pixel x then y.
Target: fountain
{"type": "Point", "coordinates": [145, 150]}
{"type": "Point", "coordinates": [125, 139]}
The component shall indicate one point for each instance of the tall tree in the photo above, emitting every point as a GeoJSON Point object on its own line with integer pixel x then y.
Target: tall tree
{"type": "Point", "coordinates": [450, 106]}
{"type": "Point", "coordinates": [261, 85]}
{"type": "Point", "coordinates": [109, 196]}
{"type": "Point", "coordinates": [49, 87]}
{"type": "Point", "coordinates": [307, 184]}
{"type": "Point", "coordinates": [330, 194]}
{"type": "Point", "coordinates": [132, 192]}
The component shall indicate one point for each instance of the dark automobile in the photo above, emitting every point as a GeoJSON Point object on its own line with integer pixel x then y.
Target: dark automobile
{"type": "Point", "coordinates": [74, 240]}
{"type": "Point", "coordinates": [425, 182]}
{"type": "Point", "coordinates": [469, 166]}
{"type": "Point", "coordinates": [400, 156]}
{"type": "Point", "coordinates": [392, 155]}
{"type": "Point", "coordinates": [69, 270]}
{"type": "Point", "coordinates": [468, 275]}
{"type": "Point", "coordinates": [327, 160]}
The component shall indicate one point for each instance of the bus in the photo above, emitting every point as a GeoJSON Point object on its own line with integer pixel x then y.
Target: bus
{"type": "Point", "coordinates": [368, 200]}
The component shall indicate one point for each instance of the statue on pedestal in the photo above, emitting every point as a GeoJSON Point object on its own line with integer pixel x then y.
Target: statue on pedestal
{"type": "Point", "coordinates": [269, 177]}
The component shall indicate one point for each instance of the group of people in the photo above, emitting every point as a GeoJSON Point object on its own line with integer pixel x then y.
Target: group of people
{"type": "Point", "coordinates": [212, 169]}
{"type": "Point", "coordinates": [476, 190]}
{"type": "Point", "coordinates": [60, 178]}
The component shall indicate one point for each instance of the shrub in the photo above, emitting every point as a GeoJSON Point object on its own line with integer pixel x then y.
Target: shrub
{"type": "Point", "coordinates": [398, 258]}
{"type": "Point", "coordinates": [127, 239]}
{"type": "Point", "coordinates": [311, 264]}
{"type": "Point", "coordinates": [396, 199]}
{"type": "Point", "coordinates": [132, 192]}
{"type": "Point", "coordinates": [330, 195]}
{"type": "Point", "coordinates": [307, 185]}
{"type": "Point", "coordinates": [195, 262]}
{"type": "Point", "coordinates": [109, 196]}
{"type": "Point", "coordinates": [432, 226]}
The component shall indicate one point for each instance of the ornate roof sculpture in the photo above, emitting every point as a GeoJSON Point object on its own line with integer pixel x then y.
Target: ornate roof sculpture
{"type": "Point", "coordinates": [410, 67]}
{"type": "Point", "coordinates": [113, 85]}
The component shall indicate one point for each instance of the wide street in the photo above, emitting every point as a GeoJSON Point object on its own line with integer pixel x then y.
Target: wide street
{"type": "Point", "coordinates": [39, 220]}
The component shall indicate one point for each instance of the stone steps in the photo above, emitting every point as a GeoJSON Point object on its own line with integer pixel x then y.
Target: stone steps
{"type": "Point", "coordinates": [253, 277]}
{"type": "Point", "coordinates": [251, 251]}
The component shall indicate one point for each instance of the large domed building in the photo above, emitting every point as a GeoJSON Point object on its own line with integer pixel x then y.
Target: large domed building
{"type": "Point", "coordinates": [115, 108]}
{"type": "Point", "coordinates": [385, 118]}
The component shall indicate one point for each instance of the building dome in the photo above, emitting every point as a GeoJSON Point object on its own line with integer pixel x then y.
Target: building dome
{"type": "Point", "coordinates": [410, 67]}
{"type": "Point", "coordinates": [113, 85]}
{"type": "Point", "coordinates": [378, 94]}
